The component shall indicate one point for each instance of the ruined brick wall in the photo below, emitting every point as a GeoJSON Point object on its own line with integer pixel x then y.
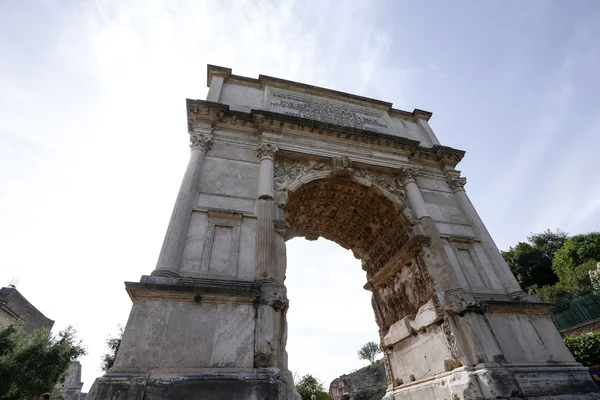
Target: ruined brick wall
{"type": "Point", "coordinates": [368, 383]}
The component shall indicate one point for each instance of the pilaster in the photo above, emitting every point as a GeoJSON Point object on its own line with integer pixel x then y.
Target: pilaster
{"type": "Point", "coordinates": [457, 184]}
{"type": "Point", "coordinates": [169, 260]}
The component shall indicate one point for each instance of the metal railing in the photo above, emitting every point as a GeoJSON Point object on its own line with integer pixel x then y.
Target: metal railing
{"type": "Point", "coordinates": [573, 310]}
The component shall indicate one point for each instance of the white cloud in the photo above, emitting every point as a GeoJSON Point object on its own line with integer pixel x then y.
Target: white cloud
{"type": "Point", "coordinates": [93, 139]}
{"type": "Point", "coordinates": [92, 158]}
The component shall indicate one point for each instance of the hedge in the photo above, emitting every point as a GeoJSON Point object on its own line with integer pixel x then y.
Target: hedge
{"type": "Point", "coordinates": [585, 348]}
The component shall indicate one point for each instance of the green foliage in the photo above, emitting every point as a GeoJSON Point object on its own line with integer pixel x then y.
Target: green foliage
{"type": "Point", "coordinates": [369, 351]}
{"type": "Point", "coordinates": [309, 386]}
{"type": "Point", "coordinates": [555, 266]}
{"type": "Point", "coordinates": [529, 265]}
{"type": "Point", "coordinates": [30, 365]}
{"type": "Point", "coordinates": [551, 292]}
{"type": "Point", "coordinates": [113, 343]}
{"type": "Point", "coordinates": [585, 348]}
{"type": "Point", "coordinates": [575, 283]}
{"type": "Point", "coordinates": [576, 251]}
{"type": "Point", "coordinates": [531, 262]}
{"type": "Point", "coordinates": [548, 242]}
{"type": "Point", "coordinates": [579, 279]}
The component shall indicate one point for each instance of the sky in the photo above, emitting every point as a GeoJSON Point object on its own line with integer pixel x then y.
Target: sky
{"type": "Point", "coordinates": [93, 135]}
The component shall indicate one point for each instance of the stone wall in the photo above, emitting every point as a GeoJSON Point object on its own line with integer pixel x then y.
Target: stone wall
{"type": "Point", "coordinates": [589, 327]}
{"type": "Point", "coordinates": [368, 383]}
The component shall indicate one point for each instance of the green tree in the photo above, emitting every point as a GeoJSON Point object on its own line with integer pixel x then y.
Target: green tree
{"type": "Point", "coordinates": [113, 343]}
{"type": "Point", "coordinates": [529, 265]}
{"type": "Point", "coordinates": [548, 242]}
{"type": "Point", "coordinates": [369, 351]}
{"type": "Point", "coordinates": [577, 250]}
{"type": "Point", "coordinates": [309, 386]}
{"type": "Point", "coordinates": [531, 261]}
{"type": "Point", "coordinates": [575, 283]}
{"type": "Point", "coordinates": [36, 363]}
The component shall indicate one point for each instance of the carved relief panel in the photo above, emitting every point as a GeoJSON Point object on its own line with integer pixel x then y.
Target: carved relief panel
{"type": "Point", "coordinates": [407, 290]}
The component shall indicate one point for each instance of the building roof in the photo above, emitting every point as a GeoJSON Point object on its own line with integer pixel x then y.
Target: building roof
{"type": "Point", "coordinates": [13, 303]}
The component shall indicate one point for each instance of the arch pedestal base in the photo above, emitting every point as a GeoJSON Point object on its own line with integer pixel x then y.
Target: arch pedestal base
{"type": "Point", "coordinates": [539, 382]}
{"type": "Point", "coordinates": [192, 338]}
{"type": "Point", "coordinates": [216, 384]}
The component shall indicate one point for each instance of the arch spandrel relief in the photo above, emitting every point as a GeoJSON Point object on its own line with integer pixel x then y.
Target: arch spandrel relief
{"type": "Point", "coordinates": [292, 173]}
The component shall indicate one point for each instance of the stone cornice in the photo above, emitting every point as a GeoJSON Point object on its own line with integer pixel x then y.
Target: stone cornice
{"type": "Point", "coordinates": [191, 290]}
{"type": "Point", "coordinates": [499, 306]}
{"type": "Point", "coordinates": [516, 307]}
{"type": "Point", "coordinates": [264, 80]}
{"type": "Point", "coordinates": [214, 70]}
{"type": "Point", "coordinates": [206, 112]}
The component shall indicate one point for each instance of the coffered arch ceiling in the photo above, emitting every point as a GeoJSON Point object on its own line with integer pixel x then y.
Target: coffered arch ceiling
{"type": "Point", "coordinates": [355, 216]}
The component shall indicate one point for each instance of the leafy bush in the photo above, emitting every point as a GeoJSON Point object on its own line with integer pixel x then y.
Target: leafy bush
{"type": "Point", "coordinates": [585, 348]}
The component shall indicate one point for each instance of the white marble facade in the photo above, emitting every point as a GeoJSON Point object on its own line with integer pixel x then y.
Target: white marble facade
{"type": "Point", "coordinates": [272, 159]}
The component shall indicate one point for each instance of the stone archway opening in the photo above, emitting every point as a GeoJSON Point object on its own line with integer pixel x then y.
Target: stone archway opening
{"type": "Point", "coordinates": [330, 315]}
{"type": "Point", "coordinates": [362, 219]}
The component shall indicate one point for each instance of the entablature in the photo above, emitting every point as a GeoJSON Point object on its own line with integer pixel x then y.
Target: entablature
{"type": "Point", "coordinates": [260, 121]}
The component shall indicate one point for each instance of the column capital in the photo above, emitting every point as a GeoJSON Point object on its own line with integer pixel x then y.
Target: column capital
{"type": "Point", "coordinates": [266, 151]}
{"type": "Point", "coordinates": [456, 182]}
{"type": "Point", "coordinates": [407, 175]}
{"type": "Point", "coordinates": [200, 141]}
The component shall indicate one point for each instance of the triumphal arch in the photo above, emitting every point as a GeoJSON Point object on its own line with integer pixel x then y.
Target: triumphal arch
{"type": "Point", "coordinates": [273, 159]}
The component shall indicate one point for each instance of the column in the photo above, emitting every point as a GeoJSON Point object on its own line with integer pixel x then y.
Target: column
{"type": "Point", "coordinates": [171, 252]}
{"type": "Point", "coordinates": [416, 202]}
{"type": "Point", "coordinates": [457, 184]}
{"type": "Point", "coordinates": [413, 194]}
{"type": "Point", "coordinates": [265, 235]}
{"type": "Point", "coordinates": [272, 302]}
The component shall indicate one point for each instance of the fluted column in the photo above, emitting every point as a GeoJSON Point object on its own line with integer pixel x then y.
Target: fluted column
{"type": "Point", "coordinates": [171, 252]}
{"type": "Point", "coordinates": [457, 184]}
{"type": "Point", "coordinates": [265, 234]}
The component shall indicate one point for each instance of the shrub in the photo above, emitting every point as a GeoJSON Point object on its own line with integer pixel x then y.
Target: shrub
{"type": "Point", "coordinates": [585, 348]}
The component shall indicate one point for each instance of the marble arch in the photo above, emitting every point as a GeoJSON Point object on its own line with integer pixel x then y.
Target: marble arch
{"type": "Point", "coordinates": [271, 159]}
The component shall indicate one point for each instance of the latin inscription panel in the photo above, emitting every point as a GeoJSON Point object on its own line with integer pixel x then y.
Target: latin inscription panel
{"type": "Point", "coordinates": [333, 113]}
